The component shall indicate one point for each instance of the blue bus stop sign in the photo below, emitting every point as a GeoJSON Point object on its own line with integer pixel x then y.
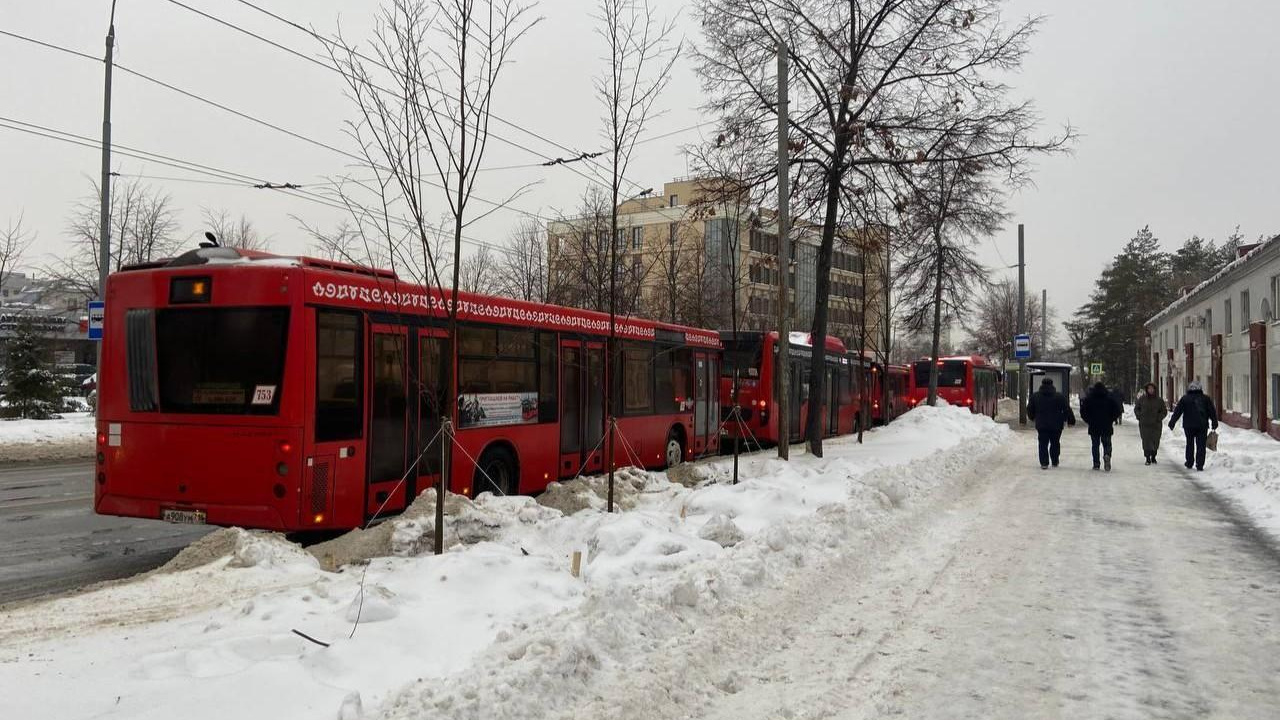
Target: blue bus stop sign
{"type": "Point", "coordinates": [1022, 347]}
{"type": "Point", "coordinates": [97, 311]}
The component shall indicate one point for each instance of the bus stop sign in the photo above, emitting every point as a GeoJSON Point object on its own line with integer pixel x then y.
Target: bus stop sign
{"type": "Point", "coordinates": [97, 310]}
{"type": "Point", "coordinates": [1022, 346]}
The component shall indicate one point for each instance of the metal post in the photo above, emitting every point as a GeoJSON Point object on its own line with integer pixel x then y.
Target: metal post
{"type": "Point", "coordinates": [736, 414]}
{"type": "Point", "coordinates": [1022, 328]}
{"type": "Point", "coordinates": [104, 212]}
{"type": "Point", "coordinates": [446, 465]}
{"type": "Point", "coordinates": [783, 363]}
{"type": "Point", "coordinates": [1044, 320]}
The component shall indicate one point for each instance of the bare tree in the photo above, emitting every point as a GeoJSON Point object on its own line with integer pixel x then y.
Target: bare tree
{"type": "Point", "coordinates": [954, 205]}
{"type": "Point", "coordinates": [14, 242]}
{"type": "Point", "coordinates": [478, 273]}
{"type": "Point", "coordinates": [584, 263]}
{"type": "Point", "coordinates": [423, 94]}
{"type": "Point", "coordinates": [524, 271]}
{"type": "Point", "coordinates": [878, 83]}
{"type": "Point", "coordinates": [234, 232]}
{"type": "Point", "coordinates": [143, 229]}
{"type": "Point", "coordinates": [995, 321]}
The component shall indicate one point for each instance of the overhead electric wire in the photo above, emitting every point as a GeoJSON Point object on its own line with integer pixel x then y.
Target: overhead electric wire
{"type": "Point", "coordinates": [330, 44]}
{"type": "Point", "coordinates": [272, 126]}
{"type": "Point", "coordinates": [226, 176]}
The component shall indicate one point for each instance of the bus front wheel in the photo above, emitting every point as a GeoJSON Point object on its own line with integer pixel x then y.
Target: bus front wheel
{"type": "Point", "coordinates": [496, 472]}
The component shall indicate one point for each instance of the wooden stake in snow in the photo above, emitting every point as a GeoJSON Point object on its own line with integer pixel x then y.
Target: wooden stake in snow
{"type": "Point", "coordinates": [577, 563]}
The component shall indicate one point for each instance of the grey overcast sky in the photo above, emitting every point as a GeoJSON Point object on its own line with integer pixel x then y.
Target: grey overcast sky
{"type": "Point", "coordinates": [1173, 99]}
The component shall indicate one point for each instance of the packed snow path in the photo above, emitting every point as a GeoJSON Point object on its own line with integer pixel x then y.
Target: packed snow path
{"type": "Point", "coordinates": [1065, 593]}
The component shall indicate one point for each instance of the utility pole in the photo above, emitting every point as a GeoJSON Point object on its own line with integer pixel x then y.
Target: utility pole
{"type": "Point", "coordinates": [104, 212]}
{"type": "Point", "coordinates": [1022, 328]}
{"type": "Point", "coordinates": [1044, 320]}
{"type": "Point", "coordinates": [783, 363]}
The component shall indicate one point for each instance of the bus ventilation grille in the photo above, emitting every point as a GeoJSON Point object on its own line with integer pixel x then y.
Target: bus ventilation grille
{"type": "Point", "coordinates": [319, 486]}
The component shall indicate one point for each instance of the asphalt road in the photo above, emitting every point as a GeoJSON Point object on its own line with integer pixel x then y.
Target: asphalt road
{"type": "Point", "coordinates": [51, 540]}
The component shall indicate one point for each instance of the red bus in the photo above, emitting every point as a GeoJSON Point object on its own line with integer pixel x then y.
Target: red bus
{"type": "Point", "coordinates": [754, 356]}
{"type": "Point", "coordinates": [969, 380]}
{"type": "Point", "coordinates": [241, 388]}
{"type": "Point", "coordinates": [899, 379]}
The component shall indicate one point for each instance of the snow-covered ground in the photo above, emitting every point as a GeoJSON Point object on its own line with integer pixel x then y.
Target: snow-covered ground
{"type": "Point", "coordinates": [70, 437]}
{"type": "Point", "coordinates": [1245, 471]}
{"type": "Point", "coordinates": [495, 628]}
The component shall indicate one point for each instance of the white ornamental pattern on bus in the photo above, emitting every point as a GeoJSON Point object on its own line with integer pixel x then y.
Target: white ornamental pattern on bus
{"type": "Point", "coordinates": [474, 310]}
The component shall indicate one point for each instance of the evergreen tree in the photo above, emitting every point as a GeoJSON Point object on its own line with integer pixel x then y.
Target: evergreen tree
{"type": "Point", "coordinates": [1135, 286]}
{"type": "Point", "coordinates": [33, 388]}
{"type": "Point", "coordinates": [1196, 261]}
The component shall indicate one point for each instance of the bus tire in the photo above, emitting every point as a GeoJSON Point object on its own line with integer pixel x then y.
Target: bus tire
{"type": "Point", "coordinates": [673, 452]}
{"type": "Point", "coordinates": [497, 467]}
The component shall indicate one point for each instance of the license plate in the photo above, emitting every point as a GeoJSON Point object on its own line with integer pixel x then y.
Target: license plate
{"type": "Point", "coordinates": [183, 517]}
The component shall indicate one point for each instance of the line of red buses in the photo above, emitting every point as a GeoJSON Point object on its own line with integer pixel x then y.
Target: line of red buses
{"type": "Point", "coordinates": [242, 388]}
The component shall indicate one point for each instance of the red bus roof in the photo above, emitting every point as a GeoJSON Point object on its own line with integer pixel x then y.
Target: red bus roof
{"type": "Point", "coordinates": [338, 283]}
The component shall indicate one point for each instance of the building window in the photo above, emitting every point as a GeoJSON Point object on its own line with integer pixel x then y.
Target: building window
{"type": "Point", "coordinates": [1275, 296]}
{"type": "Point", "coordinates": [1226, 316]}
{"type": "Point", "coordinates": [1230, 399]}
{"type": "Point", "coordinates": [1275, 396]}
{"type": "Point", "coordinates": [1175, 336]}
{"type": "Point", "coordinates": [637, 238]}
{"type": "Point", "coordinates": [674, 200]}
{"type": "Point", "coordinates": [1244, 310]}
{"type": "Point", "coordinates": [1208, 322]}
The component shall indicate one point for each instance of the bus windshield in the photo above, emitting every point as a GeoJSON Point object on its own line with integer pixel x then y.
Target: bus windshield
{"type": "Point", "coordinates": [950, 373]}
{"type": "Point", "coordinates": [226, 361]}
{"type": "Point", "coordinates": [744, 355]}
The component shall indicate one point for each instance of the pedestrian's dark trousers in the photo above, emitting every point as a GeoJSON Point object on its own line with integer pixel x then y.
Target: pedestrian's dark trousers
{"type": "Point", "coordinates": [1150, 441]}
{"type": "Point", "coordinates": [1105, 440]}
{"type": "Point", "coordinates": [1050, 445]}
{"type": "Point", "coordinates": [1195, 446]}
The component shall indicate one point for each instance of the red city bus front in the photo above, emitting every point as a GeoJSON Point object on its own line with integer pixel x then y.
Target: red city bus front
{"type": "Point", "coordinates": [200, 416]}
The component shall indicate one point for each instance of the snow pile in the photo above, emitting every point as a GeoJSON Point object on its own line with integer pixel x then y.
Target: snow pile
{"type": "Point", "coordinates": [68, 437]}
{"type": "Point", "coordinates": [1245, 471]}
{"type": "Point", "coordinates": [497, 627]}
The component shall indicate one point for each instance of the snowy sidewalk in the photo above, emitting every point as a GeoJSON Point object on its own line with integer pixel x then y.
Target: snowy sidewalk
{"type": "Point", "coordinates": [67, 438]}
{"type": "Point", "coordinates": [1067, 593]}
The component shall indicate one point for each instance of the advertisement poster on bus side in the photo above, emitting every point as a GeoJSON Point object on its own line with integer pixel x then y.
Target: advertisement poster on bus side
{"type": "Point", "coordinates": [489, 409]}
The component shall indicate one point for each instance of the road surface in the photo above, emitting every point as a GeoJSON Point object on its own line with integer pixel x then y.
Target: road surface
{"type": "Point", "coordinates": [1064, 593]}
{"type": "Point", "coordinates": [52, 541]}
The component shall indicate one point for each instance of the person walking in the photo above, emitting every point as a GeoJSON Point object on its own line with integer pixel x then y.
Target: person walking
{"type": "Point", "coordinates": [1198, 414]}
{"type": "Point", "coordinates": [1150, 411]}
{"type": "Point", "coordinates": [1050, 411]}
{"type": "Point", "coordinates": [1099, 411]}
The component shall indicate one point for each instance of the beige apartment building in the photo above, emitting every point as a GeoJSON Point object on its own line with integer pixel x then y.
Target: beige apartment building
{"type": "Point", "coordinates": [679, 254]}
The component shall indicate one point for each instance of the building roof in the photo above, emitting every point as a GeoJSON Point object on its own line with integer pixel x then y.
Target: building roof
{"type": "Point", "coordinates": [1228, 271]}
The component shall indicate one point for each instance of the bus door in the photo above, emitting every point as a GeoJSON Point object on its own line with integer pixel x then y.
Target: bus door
{"type": "Point", "coordinates": [799, 378]}
{"type": "Point", "coordinates": [431, 404]}
{"type": "Point", "coordinates": [835, 375]}
{"type": "Point", "coordinates": [388, 418]}
{"type": "Point", "coordinates": [582, 411]}
{"type": "Point", "coordinates": [706, 403]}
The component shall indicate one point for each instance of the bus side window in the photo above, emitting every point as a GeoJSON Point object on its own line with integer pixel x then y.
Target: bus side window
{"type": "Point", "coordinates": [338, 396]}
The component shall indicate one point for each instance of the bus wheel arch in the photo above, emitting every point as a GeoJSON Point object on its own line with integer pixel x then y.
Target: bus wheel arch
{"type": "Point", "coordinates": [498, 465]}
{"type": "Point", "coordinates": [674, 449]}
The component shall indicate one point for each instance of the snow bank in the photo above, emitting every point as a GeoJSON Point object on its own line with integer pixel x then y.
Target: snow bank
{"type": "Point", "coordinates": [1245, 471]}
{"type": "Point", "coordinates": [70, 437]}
{"type": "Point", "coordinates": [497, 627]}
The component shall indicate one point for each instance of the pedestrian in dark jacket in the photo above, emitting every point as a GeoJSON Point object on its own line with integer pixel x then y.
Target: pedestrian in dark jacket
{"type": "Point", "coordinates": [1198, 415]}
{"type": "Point", "coordinates": [1150, 411]}
{"type": "Point", "coordinates": [1099, 411]}
{"type": "Point", "coordinates": [1050, 411]}
{"type": "Point", "coordinates": [1118, 396]}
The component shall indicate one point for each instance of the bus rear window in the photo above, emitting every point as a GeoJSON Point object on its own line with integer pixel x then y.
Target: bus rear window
{"type": "Point", "coordinates": [226, 361]}
{"type": "Point", "coordinates": [950, 374]}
